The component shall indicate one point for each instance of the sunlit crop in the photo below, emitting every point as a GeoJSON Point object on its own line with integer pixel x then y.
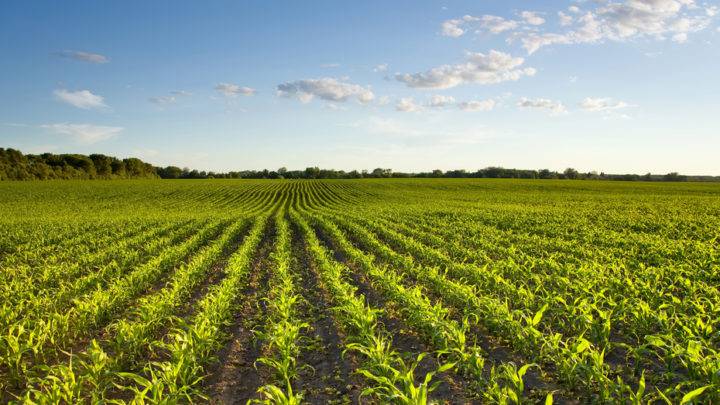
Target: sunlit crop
{"type": "Point", "coordinates": [506, 292]}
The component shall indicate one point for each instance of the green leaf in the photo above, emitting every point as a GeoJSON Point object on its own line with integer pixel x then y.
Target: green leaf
{"type": "Point", "coordinates": [641, 385]}
{"type": "Point", "coordinates": [538, 316]}
{"type": "Point", "coordinates": [445, 367]}
{"type": "Point", "coordinates": [139, 380]}
{"type": "Point", "coordinates": [687, 398]}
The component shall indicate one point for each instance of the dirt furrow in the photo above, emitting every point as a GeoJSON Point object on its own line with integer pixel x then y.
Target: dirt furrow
{"type": "Point", "coordinates": [233, 378]}
{"type": "Point", "coordinates": [330, 378]}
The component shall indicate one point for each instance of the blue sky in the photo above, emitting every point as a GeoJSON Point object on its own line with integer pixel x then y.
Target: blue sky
{"type": "Point", "coordinates": [615, 86]}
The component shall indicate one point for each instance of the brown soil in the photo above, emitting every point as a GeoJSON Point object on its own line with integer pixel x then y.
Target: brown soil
{"type": "Point", "coordinates": [331, 378]}
{"type": "Point", "coordinates": [233, 379]}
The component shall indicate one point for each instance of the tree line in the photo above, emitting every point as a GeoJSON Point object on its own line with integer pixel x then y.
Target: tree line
{"type": "Point", "coordinates": [48, 166]}
{"type": "Point", "coordinates": [14, 165]}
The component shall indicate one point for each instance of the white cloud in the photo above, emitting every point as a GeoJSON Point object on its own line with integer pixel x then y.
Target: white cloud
{"type": "Point", "coordinates": [496, 25]}
{"type": "Point", "coordinates": [475, 105]}
{"type": "Point", "coordinates": [182, 93]}
{"type": "Point", "coordinates": [381, 68]}
{"type": "Point", "coordinates": [407, 105]}
{"type": "Point", "coordinates": [574, 9]}
{"type": "Point", "coordinates": [383, 100]}
{"type": "Point", "coordinates": [440, 100]}
{"type": "Point", "coordinates": [601, 104]}
{"type": "Point", "coordinates": [532, 17]}
{"type": "Point", "coordinates": [84, 133]}
{"type": "Point", "coordinates": [542, 104]}
{"type": "Point", "coordinates": [532, 42]}
{"type": "Point", "coordinates": [641, 16]}
{"type": "Point", "coordinates": [327, 89]}
{"type": "Point", "coordinates": [479, 68]}
{"type": "Point", "coordinates": [81, 99]}
{"type": "Point", "coordinates": [232, 91]}
{"type": "Point", "coordinates": [619, 21]}
{"type": "Point", "coordinates": [83, 56]}
{"type": "Point", "coordinates": [492, 23]}
{"type": "Point", "coordinates": [564, 18]}
{"type": "Point", "coordinates": [163, 100]}
{"type": "Point", "coordinates": [451, 28]}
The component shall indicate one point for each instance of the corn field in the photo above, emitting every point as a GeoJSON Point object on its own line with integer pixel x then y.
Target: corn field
{"type": "Point", "coordinates": [403, 291]}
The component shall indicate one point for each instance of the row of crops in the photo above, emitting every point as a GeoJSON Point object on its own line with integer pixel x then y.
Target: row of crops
{"type": "Point", "coordinates": [369, 291]}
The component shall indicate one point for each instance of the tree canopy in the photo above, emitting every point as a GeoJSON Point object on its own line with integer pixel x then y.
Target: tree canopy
{"type": "Point", "coordinates": [47, 166]}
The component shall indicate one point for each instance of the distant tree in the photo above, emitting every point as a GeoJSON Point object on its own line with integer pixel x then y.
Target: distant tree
{"type": "Point", "coordinates": [41, 171]}
{"type": "Point", "coordinates": [134, 167]}
{"type": "Point", "coordinates": [456, 173]}
{"type": "Point", "coordinates": [118, 168]}
{"type": "Point", "coordinates": [103, 167]}
{"type": "Point", "coordinates": [571, 173]}
{"type": "Point", "coordinates": [380, 172]}
{"type": "Point", "coordinates": [674, 176]}
{"type": "Point", "coordinates": [312, 172]}
{"type": "Point", "coordinates": [170, 172]}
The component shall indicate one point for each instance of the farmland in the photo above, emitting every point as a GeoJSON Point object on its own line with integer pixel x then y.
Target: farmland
{"type": "Point", "coordinates": [370, 291]}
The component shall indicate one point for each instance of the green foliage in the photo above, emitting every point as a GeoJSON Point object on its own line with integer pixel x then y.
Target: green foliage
{"type": "Point", "coordinates": [124, 291]}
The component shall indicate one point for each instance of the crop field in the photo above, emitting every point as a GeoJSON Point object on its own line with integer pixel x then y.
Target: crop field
{"type": "Point", "coordinates": [402, 291]}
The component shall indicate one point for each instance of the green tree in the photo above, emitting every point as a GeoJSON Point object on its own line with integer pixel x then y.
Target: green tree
{"type": "Point", "coordinates": [571, 173]}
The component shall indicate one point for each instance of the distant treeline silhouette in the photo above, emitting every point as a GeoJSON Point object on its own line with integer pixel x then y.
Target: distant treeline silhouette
{"type": "Point", "coordinates": [14, 165]}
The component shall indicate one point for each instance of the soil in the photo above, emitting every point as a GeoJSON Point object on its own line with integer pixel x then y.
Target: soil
{"type": "Point", "coordinates": [232, 378]}
{"type": "Point", "coordinates": [331, 379]}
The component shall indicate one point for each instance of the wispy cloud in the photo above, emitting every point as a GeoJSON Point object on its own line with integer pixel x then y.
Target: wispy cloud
{"type": "Point", "coordinates": [232, 90]}
{"type": "Point", "coordinates": [620, 21]}
{"type": "Point", "coordinates": [81, 99]}
{"type": "Point", "coordinates": [493, 67]}
{"type": "Point", "coordinates": [609, 20]}
{"type": "Point", "coordinates": [84, 133]}
{"type": "Point", "coordinates": [325, 88]}
{"type": "Point", "coordinates": [83, 56]}
{"type": "Point", "coordinates": [475, 105]}
{"type": "Point", "coordinates": [601, 104]}
{"type": "Point", "coordinates": [555, 108]}
{"type": "Point", "coordinates": [407, 105]}
{"type": "Point", "coordinates": [439, 100]}
{"type": "Point", "coordinates": [532, 17]}
{"type": "Point", "coordinates": [163, 100]}
{"type": "Point", "coordinates": [182, 93]}
{"type": "Point", "coordinates": [381, 68]}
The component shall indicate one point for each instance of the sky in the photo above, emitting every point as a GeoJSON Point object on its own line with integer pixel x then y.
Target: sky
{"type": "Point", "coordinates": [613, 86]}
